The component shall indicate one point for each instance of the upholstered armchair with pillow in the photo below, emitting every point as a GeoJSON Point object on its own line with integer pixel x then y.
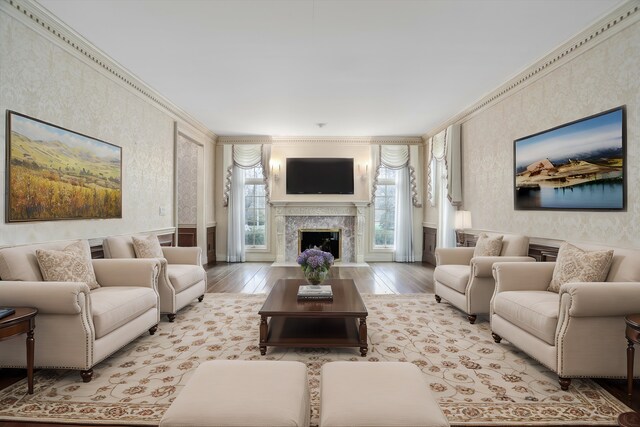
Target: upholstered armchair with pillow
{"type": "Point", "coordinates": [464, 276]}
{"type": "Point", "coordinates": [182, 277]}
{"type": "Point", "coordinates": [569, 314]}
{"type": "Point", "coordinates": [87, 309]}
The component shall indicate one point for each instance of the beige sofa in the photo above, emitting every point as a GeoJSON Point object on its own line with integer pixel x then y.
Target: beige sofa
{"type": "Point", "coordinates": [182, 277]}
{"type": "Point", "coordinates": [578, 332]}
{"type": "Point", "coordinates": [467, 281]}
{"type": "Point", "coordinates": [77, 328]}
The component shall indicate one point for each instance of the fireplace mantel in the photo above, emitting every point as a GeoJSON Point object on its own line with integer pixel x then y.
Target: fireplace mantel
{"type": "Point", "coordinates": [319, 209]}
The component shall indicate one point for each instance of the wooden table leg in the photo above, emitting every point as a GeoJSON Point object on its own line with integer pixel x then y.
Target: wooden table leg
{"type": "Point", "coordinates": [363, 337]}
{"type": "Point", "coordinates": [630, 356]}
{"type": "Point", "coordinates": [30, 351]}
{"type": "Point", "coordinates": [264, 329]}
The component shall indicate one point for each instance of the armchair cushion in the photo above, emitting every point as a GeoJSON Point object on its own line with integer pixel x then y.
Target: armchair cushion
{"type": "Point", "coordinates": [533, 311]}
{"type": "Point", "coordinates": [68, 265]}
{"type": "Point", "coordinates": [576, 265]}
{"type": "Point", "coordinates": [453, 276]}
{"type": "Point", "coordinates": [147, 247]}
{"type": "Point", "coordinates": [488, 246]}
{"type": "Point", "coordinates": [182, 276]}
{"type": "Point", "coordinates": [113, 307]}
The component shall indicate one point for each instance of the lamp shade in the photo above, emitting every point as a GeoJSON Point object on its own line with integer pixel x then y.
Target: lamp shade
{"type": "Point", "coordinates": [463, 220]}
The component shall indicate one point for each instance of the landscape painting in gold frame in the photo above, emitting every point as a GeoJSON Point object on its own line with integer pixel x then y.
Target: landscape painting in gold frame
{"type": "Point", "coordinates": [55, 174]}
{"type": "Point", "coordinates": [575, 166]}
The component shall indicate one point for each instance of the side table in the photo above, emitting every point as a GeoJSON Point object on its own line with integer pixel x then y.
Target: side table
{"type": "Point", "coordinates": [633, 336]}
{"type": "Point", "coordinates": [21, 322]}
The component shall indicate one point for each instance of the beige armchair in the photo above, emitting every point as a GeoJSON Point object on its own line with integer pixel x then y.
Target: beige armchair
{"type": "Point", "coordinates": [578, 332]}
{"type": "Point", "coordinates": [76, 327]}
{"type": "Point", "coordinates": [182, 277]}
{"type": "Point", "coordinates": [467, 281]}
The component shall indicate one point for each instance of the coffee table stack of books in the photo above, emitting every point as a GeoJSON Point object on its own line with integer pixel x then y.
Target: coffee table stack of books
{"type": "Point", "coordinates": [315, 292]}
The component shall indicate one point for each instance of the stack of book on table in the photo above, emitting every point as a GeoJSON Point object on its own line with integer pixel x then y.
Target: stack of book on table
{"type": "Point", "coordinates": [315, 292]}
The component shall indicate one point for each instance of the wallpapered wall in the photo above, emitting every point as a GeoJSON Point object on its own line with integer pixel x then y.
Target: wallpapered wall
{"type": "Point", "coordinates": [187, 182]}
{"type": "Point", "coordinates": [599, 79]}
{"type": "Point", "coordinates": [43, 80]}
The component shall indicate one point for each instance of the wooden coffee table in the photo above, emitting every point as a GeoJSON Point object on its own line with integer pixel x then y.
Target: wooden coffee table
{"type": "Point", "coordinates": [341, 322]}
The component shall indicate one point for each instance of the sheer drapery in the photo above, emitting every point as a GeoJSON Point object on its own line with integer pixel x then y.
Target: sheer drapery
{"type": "Point", "coordinates": [445, 149]}
{"type": "Point", "coordinates": [446, 211]}
{"type": "Point", "coordinates": [238, 158]}
{"type": "Point", "coordinates": [236, 217]}
{"type": "Point", "coordinates": [403, 218]}
{"type": "Point", "coordinates": [398, 158]}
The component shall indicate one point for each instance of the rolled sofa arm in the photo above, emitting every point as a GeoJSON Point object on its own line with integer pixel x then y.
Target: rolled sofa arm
{"type": "Point", "coordinates": [522, 276]}
{"type": "Point", "coordinates": [482, 266]}
{"type": "Point", "coordinates": [127, 272]}
{"type": "Point", "coordinates": [183, 255]}
{"type": "Point", "coordinates": [457, 256]}
{"type": "Point", "coordinates": [47, 297]}
{"type": "Point", "coordinates": [601, 299]}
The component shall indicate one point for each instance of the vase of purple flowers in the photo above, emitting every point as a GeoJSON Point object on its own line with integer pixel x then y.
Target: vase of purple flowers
{"type": "Point", "coordinates": [315, 265]}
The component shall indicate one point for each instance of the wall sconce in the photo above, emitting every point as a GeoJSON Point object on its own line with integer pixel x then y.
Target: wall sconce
{"type": "Point", "coordinates": [462, 221]}
{"type": "Point", "coordinates": [275, 170]}
{"type": "Point", "coordinates": [363, 171]}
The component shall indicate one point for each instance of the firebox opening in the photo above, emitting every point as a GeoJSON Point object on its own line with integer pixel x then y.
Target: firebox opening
{"type": "Point", "coordinates": [328, 240]}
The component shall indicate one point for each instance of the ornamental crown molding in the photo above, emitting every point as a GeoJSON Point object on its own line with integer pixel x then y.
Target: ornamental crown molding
{"type": "Point", "coordinates": [40, 19]}
{"type": "Point", "coordinates": [343, 140]}
{"type": "Point", "coordinates": [244, 139]}
{"type": "Point", "coordinates": [624, 16]}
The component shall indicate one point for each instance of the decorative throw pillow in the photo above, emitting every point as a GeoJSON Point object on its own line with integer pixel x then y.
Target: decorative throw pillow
{"type": "Point", "coordinates": [72, 264]}
{"type": "Point", "coordinates": [576, 265]}
{"type": "Point", "coordinates": [488, 246]}
{"type": "Point", "coordinates": [147, 247]}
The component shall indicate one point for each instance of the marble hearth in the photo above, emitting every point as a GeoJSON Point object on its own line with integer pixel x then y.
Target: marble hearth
{"type": "Point", "coordinates": [349, 217]}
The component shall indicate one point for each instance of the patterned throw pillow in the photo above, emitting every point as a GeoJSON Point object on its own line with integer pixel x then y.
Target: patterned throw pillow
{"type": "Point", "coordinates": [72, 264]}
{"type": "Point", "coordinates": [147, 247]}
{"type": "Point", "coordinates": [576, 265]}
{"type": "Point", "coordinates": [488, 246]}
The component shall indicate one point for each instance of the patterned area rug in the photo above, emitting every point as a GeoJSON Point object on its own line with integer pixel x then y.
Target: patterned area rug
{"type": "Point", "coordinates": [476, 381]}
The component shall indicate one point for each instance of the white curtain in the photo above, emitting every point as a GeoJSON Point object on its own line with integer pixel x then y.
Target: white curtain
{"type": "Point", "coordinates": [404, 218]}
{"type": "Point", "coordinates": [239, 158]}
{"type": "Point", "coordinates": [235, 232]}
{"type": "Point", "coordinates": [398, 157]}
{"type": "Point", "coordinates": [446, 211]}
{"type": "Point", "coordinates": [446, 190]}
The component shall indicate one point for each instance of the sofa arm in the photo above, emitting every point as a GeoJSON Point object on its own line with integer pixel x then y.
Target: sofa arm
{"type": "Point", "coordinates": [522, 276]}
{"type": "Point", "coordinates": [457, 256]}
{"type": "Point", "coordinates": [601, 299]}
{"type": "Point", "coordinates": [482, 266]}
{"type": "Point", "coordinates": [183, 255]}
{"type": "Point", "coordinates": [47, 297]}
{"type": "Point", "coordinates": [127, 272]}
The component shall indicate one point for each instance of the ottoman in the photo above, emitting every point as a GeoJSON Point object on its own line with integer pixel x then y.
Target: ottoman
{"type": "Point", "coordinates": [243, 393]}
{"type": "Point", "coordinates": [376, 394]}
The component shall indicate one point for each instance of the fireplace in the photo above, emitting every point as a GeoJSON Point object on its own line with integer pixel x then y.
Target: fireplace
{"type": "Point", "coordinates": [346, 217]}
{"type": "Point", "coordinates": [328, 240]}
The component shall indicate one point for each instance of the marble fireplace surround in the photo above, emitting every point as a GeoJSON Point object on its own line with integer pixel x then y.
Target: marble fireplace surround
{"type": "Point", "coordinates": [347, 216]}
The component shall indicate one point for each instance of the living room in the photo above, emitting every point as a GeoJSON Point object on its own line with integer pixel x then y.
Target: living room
{"type": "Point", "coordinates": [178, 145]}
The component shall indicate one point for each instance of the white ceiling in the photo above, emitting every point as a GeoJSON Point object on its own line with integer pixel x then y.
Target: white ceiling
{"type": "Point", "coordinates": [364, 67]}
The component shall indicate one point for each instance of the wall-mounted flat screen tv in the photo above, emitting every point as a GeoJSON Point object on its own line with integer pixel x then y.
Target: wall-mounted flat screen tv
{"type": "Point", "coordinates": [319, 176]}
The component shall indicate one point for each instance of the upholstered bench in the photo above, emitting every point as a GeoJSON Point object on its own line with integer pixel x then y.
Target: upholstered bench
{"type": "Point", "coordinates": [243, 393]}
{"type": "Point", "coordinates": [376, 394]}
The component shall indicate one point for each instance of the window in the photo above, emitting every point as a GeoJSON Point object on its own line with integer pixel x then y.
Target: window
{"type": "Point", "coordinates": [385, 209]}
{"type": "Point", "coordinates": [255, 228]}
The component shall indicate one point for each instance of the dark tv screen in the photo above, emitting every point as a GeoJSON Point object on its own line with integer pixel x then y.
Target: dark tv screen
{"type": "Point", "coordinates": [319, 176]}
